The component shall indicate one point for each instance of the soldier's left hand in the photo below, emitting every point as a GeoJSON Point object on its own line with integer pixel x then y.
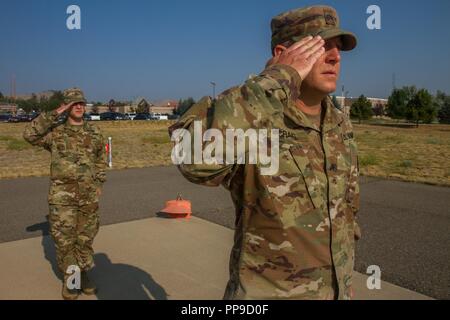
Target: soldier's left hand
{"type": "Point", "coordinates": [99, 192]}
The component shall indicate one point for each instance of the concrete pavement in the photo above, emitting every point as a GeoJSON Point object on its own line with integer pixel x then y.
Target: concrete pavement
{"type": "Point", "coordinates": [153, 258]}
{"type": "Point", "coordinates": [405, 225]}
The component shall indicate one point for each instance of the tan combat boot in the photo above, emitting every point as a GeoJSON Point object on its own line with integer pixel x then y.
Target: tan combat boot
{"type": "Point", "coordinates": [87, 286]}
{"type": "Point", "coordinates": [69, 294]}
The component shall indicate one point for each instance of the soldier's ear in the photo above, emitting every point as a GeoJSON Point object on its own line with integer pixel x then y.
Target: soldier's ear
{"type": "Point", "coordinates": [278, 50]}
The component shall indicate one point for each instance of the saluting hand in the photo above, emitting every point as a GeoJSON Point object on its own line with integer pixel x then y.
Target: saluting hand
{"type": "Point", "coordinates": [301, 56]}
{"type": "Point", "coordinates": [63, 108]}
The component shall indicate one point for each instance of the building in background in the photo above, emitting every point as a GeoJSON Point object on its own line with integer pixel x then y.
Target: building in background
{"type": "Point", "coordinates": [8, 108]}
{"type": "Point", "coordinates": [379, 105]}
{"type": "Point", "coordinates": [167, 107]}
{"type": "Point", "coordinates": [139, 105]}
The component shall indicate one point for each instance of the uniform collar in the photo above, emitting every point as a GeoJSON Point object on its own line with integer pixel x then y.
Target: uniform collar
{"type": "Point", "coordinates": [333, 116]}
{"type": "Point", "coordinates": [67, 125]}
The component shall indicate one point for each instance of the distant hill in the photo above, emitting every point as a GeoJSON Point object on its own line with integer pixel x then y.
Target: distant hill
{"type": "Point", "coordinates": [44, 94]}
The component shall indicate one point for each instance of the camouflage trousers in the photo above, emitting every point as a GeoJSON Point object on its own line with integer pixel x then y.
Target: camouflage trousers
{"type": "Point", "coordinates": [73, 229]}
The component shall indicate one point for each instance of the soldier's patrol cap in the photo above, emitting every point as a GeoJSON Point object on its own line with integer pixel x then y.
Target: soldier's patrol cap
{"type": "Point", "coordinates": [292, 26]}
{"type": "Point", "coordinates": [73, 95]}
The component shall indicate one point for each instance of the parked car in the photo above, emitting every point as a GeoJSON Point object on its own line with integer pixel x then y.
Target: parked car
{"type": "Point", "coordinates": [33, 115]}
{"type": "Point", "coordinates": [174, 117]}
{"type": "Point", "coordinates": [160, 116]}
{"type": "Point", "coordinates": [144, 116]}
{"type": "Point", "coordinates": [94, 117]}
{"type": "Point", "coordinates": [22, 118]}
{"type": "Point", "coordinates": [111, 116]}
{"type": "Point", "coordinates": [5, 117]}
{"type": "Point", "coordinates": [130, 116]}
{"type": "Point", "coordinates": [163, 117]}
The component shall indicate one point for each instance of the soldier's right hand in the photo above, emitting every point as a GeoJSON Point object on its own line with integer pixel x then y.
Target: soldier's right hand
{"type": "Point", "coordinates": [301, 56]}
{"type": "Point", "coordinates": [64, 108]}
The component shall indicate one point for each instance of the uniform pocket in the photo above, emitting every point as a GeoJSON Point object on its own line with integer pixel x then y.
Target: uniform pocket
{"type": "Point", "coordinates": [306, 166]}
{"type": "Point", "coordinates": [284, 199]}
{"type": "Point", "coordinates": [289, 182]}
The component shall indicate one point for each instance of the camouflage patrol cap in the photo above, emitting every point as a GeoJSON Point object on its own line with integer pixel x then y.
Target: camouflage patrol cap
{"type": "Point", "coordinates": [294, 25]}
{"type": "Point", "coordinates": [73, 95]}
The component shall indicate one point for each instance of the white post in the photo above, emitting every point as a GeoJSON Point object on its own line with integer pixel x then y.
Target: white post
{"type": "Point", "coordinates": [110, 152]}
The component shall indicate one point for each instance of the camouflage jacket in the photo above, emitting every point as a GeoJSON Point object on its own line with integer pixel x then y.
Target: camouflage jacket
{"type": "Point", "coordinates": [295, 230]}
{"type": "Point", "coordinates": [78, 158]}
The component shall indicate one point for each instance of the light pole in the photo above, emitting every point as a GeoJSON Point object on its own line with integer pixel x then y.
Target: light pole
{"type": "Point", "coordinates": [214, 90]}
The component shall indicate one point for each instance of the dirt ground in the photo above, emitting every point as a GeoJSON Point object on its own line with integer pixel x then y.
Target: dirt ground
{"type": "Point", "coordinates": [388, 151]}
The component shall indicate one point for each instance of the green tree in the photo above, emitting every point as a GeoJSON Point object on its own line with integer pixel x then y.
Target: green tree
{"type": "Point", "coordinates": [55, 101]}
{"type": "Point", "coordinates": [1, 96]}
{"type": "Point", "coordinates": [112, 105]}
{"type": "Point", "coordinates": [398, 100]}
{"type": "Point", "coordinates": [442, 103]}
{"type": "Point", "coordinates": [361, 109]}
{"type": "Point", "coordinates": [378, 110]}
{"type": "Point", "coordinates": [143, 107]}
{"type": "Point", "coordinates": [184, 105]}
{"type": "Point", "coordinates": [52, 103]}
{"type": "Point", "coordinates": [25, 105]}
{"type": "Point", "coordinates": [440, 99]}
{"type": "Point", "coordinates": [34, 103]}
{"type": "Point", "coordinates": [421, 108]}
{"type": "Point", "coordinates": [29, 105]}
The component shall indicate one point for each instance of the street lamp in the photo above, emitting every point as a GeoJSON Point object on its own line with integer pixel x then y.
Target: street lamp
{"type": "Point", "coordinates": [214, 90]}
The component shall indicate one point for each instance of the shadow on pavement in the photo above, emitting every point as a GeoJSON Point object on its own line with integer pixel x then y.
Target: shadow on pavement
{"type": "Point", "coordinates": [115, 281]}
{"type": "Point", "coordinates": [163, 215]}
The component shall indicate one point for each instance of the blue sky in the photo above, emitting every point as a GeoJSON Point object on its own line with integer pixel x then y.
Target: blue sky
{"type": "Point", "coordinates": [174, 48]}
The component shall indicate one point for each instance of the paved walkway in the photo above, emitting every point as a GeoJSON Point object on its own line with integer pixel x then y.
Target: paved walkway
{"type": "Point", "coordinates": [154, 258]}
{"type": "Point", "coordinates": [404, 225]}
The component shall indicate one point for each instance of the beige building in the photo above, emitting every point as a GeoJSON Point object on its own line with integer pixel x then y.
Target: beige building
{"type": "Point", "coordinates": [166, 107]}
{"type": "Point", "coordinates": [8, 108]}
{"type": "Point", "coordinates": [376, 103]}
{"type": "Point", "coordinates": [105, 108]}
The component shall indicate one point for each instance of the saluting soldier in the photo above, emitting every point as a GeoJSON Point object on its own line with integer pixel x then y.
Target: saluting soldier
{"type": "Point", "coordinates": [295, 230]}
{"type": "Point", "coordinates": [78, 164]}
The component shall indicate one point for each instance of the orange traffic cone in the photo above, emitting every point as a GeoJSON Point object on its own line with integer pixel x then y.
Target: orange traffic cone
{"type": "Point", "coordinates": [178, 208]}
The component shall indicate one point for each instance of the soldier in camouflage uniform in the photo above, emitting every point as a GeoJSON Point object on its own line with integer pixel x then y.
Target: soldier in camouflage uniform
{"type": "Point", "coordinates": [295, 230]}
{"type": "Point", "coordinates": [78, 164]}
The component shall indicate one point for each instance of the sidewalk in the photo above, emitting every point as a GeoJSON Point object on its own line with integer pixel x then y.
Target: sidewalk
{"type": "Point", "coordinates": [147, 259]}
